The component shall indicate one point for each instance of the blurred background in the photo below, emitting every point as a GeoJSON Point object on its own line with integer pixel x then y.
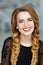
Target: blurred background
{"type": "Point", "coordinates": [6, 9]}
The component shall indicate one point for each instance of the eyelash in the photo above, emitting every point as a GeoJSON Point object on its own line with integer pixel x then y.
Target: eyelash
{"type": "Point", "coordinates": [20, 21]}
{"type": "Point", "coordinates": [30, 20]}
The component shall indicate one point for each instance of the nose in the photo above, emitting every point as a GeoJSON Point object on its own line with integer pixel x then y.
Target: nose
{"type": "Point", "coordinates": [25, 24]}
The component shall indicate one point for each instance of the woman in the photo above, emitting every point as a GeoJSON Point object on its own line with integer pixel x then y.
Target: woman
{"type": "Point", "coordinates": [24, 47]}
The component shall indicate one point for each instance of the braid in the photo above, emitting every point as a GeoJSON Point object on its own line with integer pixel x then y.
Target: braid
{"type": "Point", "coordinates": [15, 49]}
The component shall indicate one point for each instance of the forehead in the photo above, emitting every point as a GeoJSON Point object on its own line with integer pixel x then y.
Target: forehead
{"type": "Point", "coordinates": [23, 14]}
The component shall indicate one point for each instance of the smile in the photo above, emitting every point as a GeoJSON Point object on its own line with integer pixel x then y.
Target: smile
{"type": "Point", "coordinates": [27, 29]}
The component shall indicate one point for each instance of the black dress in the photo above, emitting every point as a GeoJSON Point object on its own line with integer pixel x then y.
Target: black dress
{"type": "Point", "coordinates": [25, 56]}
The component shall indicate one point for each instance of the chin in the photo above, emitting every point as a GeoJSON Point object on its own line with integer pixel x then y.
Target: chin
{"type": "Point", "coordinates": [27, 34]}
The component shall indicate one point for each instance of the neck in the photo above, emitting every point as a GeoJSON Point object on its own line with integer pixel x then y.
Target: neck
{"type": "Point", "coordinates": [25, 40]}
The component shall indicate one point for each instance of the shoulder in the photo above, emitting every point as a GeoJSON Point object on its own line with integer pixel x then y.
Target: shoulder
{"type": "Point", "coordinates": [41, 46]}
{"type": "Point", "coordinates": [7, 42]}
{"type": "Point", "coordinates": [8, 39]}
{"type": "Point", "coordinates": [40, 55]}
{"type": "Point", "coordinates": [41, 42]}
{"type": "Point", "coordinates": [6, 46]}
{"type": "Point", "coordinates": [6, 50]}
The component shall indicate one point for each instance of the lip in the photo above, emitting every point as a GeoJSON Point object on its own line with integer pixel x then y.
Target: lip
{"type": "Point", "coordinates": [27, 29]}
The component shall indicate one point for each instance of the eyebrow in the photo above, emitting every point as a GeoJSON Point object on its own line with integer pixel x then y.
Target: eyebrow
{"type": "Point", "coordinates": [20, 20]}
{"type": "Point", "coordinates": [29, 18]}
{"type": "Point", "coordinates": [23, 19]}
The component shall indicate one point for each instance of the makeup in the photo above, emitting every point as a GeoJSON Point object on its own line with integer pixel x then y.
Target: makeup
{"type": "Point", "coordinates": [27, 29]}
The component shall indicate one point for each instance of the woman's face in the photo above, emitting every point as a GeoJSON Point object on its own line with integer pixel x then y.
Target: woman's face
{"type": "Point", "coordinates": [25, 24]}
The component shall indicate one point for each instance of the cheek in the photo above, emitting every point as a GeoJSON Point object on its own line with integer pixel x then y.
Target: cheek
{"type": "Point", "coordinates": [32, 24]}
{"type": "Point", "coordinates": [19, 27]}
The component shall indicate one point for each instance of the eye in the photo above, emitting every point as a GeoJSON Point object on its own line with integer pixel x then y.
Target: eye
{"type": "Point", "coordinates": [20, 21]}
{"type": "Point", "coordinates": [29, 19]}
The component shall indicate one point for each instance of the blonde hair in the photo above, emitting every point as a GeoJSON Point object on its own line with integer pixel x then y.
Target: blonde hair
{"type": "Point", "coordinates": [16, 36]}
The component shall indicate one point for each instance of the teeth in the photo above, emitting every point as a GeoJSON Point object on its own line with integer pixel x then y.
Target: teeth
{"type": "Point", "coordinates": [27, 29]}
